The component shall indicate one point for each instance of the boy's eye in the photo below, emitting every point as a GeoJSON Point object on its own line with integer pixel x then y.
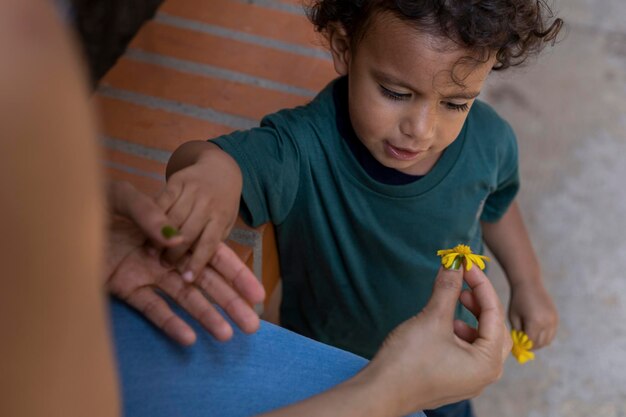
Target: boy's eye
{"type": "Point", "coordinates": [457, 107]}
{"type": "Point", "coordinates": [394, 95]}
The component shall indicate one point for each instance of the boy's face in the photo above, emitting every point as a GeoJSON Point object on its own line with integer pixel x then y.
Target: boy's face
{"type": "Point", "coordinates": [404, 104]}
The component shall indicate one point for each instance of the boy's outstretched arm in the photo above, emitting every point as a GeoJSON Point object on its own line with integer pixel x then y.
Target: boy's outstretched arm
{"type": "Point", "coordinates": [531, 308]}
{"type": "Point", "coordinates": [202, 200]}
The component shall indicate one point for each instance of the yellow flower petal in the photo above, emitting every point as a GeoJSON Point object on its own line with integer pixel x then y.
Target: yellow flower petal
{"type": "Point", "coordinates": [462, 249]}
{"type": "Point", "coordinates": [525, 356]}
{"type": "Point", "coordinates": [476, 259]}
{"type": "Point", "coordinates": [448, 259]}
{"type": "Point", "coordinates": [521, 346]}
{"type": "Point", "coordinates": [463, 252]}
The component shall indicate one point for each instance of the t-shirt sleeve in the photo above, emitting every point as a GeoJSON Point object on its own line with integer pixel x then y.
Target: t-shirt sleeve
{"type": "Point", "coordinates": [508, 183]}
{"type": "Point", "coordinates": [269, 162]}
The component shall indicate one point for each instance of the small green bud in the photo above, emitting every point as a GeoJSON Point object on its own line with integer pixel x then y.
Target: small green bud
{"type": "Point", "coordinates": [169, 232]}
{"type": "Point", "coordinates": [456, 264]}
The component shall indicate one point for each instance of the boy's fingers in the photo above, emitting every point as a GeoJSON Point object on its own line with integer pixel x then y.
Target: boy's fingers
{"type": "Point", "coordinates": [446, 291]}
{"type": "Point", "coordinates": [206, 246]}
{"type": "Point", "coordinates": [210, 233]}
{"type": "Point", "coordinates": [142, 210]}
{"type": "Point", "coordinates": [551, 336]}
{"type": "Point", "coordinates": [152, 221]}
{"type": "Point", "coordinates": [179, 215]}
{"type": "Point", "coordinates": [516, 321]}
{"type": "Point", "coordinates": [542, 339]}
{"type": "Point", "coordinates": [533, 334]}
{"type": "Point", "coordinates": [169, 195]}
{"type": "Point", "coordinates": [202, 253]}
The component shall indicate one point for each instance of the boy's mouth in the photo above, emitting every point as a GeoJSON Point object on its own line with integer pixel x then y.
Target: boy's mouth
{"type": "Point", "coordinates": [400, 153]}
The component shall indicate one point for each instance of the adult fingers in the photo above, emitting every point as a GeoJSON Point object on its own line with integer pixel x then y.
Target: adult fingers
{"type": "Point", "coordinates": [507, 343]}
{"type": "Point", "coordinates": [226, 262]}
{"type": "Point", "coordinates": [155, 309]}
{"type": "Point", "coordinates": [232, 303]}
{"type": "Point", "coordinates": [465, 331]}
{"type": "Point", "coordinates": [195, 303]}
{"type": "Point", "coordinates": [446, 291]}
{"type": "Point", "coordinates": [205, 247]}
{"type": "Point", "coordinates": [469, 301]}
{"type": "Point", "coordinates": [491, 317]}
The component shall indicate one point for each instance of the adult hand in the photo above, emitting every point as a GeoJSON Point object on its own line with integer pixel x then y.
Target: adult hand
{"type": "Point", "coordinates": [431, 359]}
{"type": "Point", "coordinates": [136, 276]}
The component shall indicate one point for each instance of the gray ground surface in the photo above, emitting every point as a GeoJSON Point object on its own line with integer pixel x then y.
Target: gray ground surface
{"type": "Point", "coordinates": [569, 111]}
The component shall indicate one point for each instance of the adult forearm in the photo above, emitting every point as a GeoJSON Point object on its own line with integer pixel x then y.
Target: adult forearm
{"type": "Point", "coordinates": [357, 397]}
{"type": "Point", "coordinates": [56, 358]}
{"type": "Point", "coordinates": [511, 245]}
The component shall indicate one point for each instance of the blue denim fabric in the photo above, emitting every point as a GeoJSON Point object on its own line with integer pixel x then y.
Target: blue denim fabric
{"type": "Point", "coordinates": [460, 409]}
{"type": "Point", "coordinates": [250, 374]}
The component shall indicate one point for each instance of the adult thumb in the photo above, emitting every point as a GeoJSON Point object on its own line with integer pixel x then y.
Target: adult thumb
{"type": "Point", "coordinates": [446, 292]}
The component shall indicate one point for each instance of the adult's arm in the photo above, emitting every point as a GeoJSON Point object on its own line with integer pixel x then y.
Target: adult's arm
{"type": "Point", "coordinates": [55, 356]}
{"type": "Point", "coordinates": [428, 361]}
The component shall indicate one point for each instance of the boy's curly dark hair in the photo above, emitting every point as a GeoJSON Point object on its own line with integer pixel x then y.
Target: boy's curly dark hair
{"type": "Point", "coordinates": [513, 29]}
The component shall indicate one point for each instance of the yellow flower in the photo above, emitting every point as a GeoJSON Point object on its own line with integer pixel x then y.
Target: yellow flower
{"type": "Point", "coordinates": [522, 346]}
{"type": "Point", "coordinates": [452, 258]}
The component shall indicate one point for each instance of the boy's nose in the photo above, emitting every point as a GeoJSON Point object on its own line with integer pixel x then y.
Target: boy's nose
{"type": "Point", "coordinates": [419, 125]}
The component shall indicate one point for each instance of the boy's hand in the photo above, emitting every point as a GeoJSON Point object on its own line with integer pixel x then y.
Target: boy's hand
{"type": "Point", "coordinates": [138, 278]}
{"type": "Point", "coordinates": [125, 201]}
{"type": "Point", "coordinates": [532, 310]}
{"type": "Point", "coordinates": [202, 201]}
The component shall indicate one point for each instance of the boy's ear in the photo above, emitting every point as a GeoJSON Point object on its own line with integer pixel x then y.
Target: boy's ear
{"type": "Point", "coordinates": [339, 47]}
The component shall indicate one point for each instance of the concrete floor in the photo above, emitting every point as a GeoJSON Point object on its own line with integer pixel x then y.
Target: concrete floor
{"type": "Point", "coordinates": [569, 111]}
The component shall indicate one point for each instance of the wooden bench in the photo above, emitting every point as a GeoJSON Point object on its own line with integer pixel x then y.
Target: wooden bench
{"type": "Point", "coordinates": [199, 69]}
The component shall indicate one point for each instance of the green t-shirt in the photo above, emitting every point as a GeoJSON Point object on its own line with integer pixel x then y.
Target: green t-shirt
{"type": "Point", "coordinates": [357, 256]}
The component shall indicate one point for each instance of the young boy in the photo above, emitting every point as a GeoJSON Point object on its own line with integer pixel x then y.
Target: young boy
{"type": "Point", "coordinates": [389, 163]}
